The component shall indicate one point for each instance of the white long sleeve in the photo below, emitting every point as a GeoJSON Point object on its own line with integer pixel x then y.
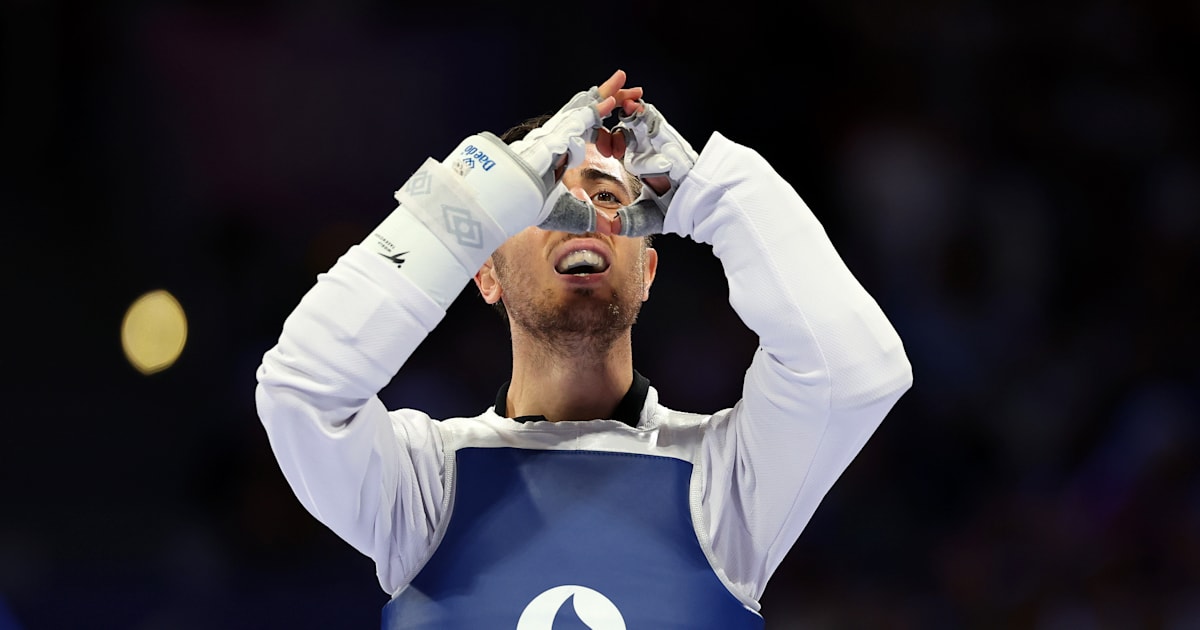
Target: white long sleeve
{"type": "Point", "coordinates": [829, 367]}
{"type": "Point", "coordinates": [372, 477]}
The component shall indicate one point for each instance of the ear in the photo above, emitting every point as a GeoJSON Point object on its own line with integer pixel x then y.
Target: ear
{"type": "Point", "coordinates": [651, 268]}
{"type": "Point", "coordinates": [488, 283]}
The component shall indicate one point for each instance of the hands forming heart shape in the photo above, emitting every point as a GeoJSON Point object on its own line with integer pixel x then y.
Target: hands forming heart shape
{"type": "Point", "coordinates": [610, 144]}
{"type": "Point", "coordinates": [614, 94]}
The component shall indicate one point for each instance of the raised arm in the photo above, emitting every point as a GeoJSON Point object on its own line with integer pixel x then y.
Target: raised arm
{"type": "Point", "coordinates": [828, 369]}
{"type": "Point", "coordinates": [374, 477]}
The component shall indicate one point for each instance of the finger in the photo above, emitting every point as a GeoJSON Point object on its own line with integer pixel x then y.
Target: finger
{"type": "Point", "coordinates": [659, 183]}
{"type": "Point", "coordinates": [604, 142]}
{"type": "Point", "coordinates": [628, 94]}
{"type": "Point", "coordinates": [631, 107]}
{"type": "Point", "coordinates": [613, 84]}
{"type": "Point", "coordinates": [617, 144]}
{"type": "Point", "coordinates": [605, 107]}
{"type": "Point", "coordinates": [561, 167]}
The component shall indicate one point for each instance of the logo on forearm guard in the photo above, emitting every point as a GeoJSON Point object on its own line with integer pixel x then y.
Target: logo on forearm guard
{"type": "Point", "coordinates": [419, 184]}
{"type": "Point", "coordinates": [466, 230]}
{"type": "Point", "coordinates": [473, 156]}
{"type": "Point", "coordinates": [398, 259]}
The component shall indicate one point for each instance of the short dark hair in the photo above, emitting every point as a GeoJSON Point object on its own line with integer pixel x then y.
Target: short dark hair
{"type": "Point", "coordinates": [522, 129]}
{"type": "Point", "coordinates": [518, 132]}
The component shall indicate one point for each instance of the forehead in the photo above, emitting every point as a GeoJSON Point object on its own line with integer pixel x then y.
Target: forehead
{"type": "Point", "coordinates": [594, 160]}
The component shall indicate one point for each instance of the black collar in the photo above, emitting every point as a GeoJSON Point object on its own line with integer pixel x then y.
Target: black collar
{"type": "Point", "coordinates": [629, 410]}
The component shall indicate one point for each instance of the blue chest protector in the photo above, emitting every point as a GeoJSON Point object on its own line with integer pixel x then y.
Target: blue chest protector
{"type": "Point", "coordinates": [551, 540]}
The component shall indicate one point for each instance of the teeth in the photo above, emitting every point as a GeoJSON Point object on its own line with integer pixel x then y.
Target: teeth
{"type": "Point", "coordinates": [582, 261]}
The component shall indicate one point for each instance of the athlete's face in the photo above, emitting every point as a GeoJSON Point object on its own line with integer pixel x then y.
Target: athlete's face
{"type": "Point", "coordinates": [579, 284]}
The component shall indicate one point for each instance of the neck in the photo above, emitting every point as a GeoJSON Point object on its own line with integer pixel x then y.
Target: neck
{"type": "Point", "coordinates": [583, 379]}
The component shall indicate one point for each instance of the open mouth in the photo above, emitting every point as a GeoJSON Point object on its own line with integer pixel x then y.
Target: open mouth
{"type": "Point", "coordinates": [581, 262]}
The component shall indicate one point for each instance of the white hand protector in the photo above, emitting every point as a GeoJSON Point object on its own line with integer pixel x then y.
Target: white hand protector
{"type": "Point", "coordinates": [652, 148]}
{"type": "Point", "coordinates": [516, 184]}
{"type": "Point", "coordinates": [562, 210]}
{"type": "Point", "coordinates": [480, 195]}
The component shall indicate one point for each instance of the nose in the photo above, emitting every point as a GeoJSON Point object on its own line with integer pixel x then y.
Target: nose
{"type": "Point", "coordinates": [606, 222]}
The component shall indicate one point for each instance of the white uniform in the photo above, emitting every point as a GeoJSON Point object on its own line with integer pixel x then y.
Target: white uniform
{"type": "Point", "coordinates": [829, 368]}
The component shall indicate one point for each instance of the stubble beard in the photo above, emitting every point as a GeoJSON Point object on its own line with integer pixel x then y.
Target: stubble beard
{"type": "Point", "coordinates": [585, 323]}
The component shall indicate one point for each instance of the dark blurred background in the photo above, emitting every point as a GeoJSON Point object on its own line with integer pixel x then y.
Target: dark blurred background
{"type": "Point", "coordinates": [1017, 184]}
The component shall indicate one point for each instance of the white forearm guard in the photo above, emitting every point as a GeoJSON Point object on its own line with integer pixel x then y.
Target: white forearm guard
{"type": "Point", "coordinates": [484, 192]}
{"type": "Point", "coordinates": [439, 235]}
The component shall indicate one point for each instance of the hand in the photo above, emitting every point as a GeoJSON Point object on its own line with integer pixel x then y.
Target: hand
{"type": "Point", "coordinates": [654, 151]}
{"type": "Point", "coordinates": [566, 134]}
{"type": "Point", "coordinates": [568, 213]}
{"type": "Point", "coordinates": [611, 94]}
{"type": "Point", "coordinates": [518, 185]}
{"type": "Point", "coordinates": [627, 98]}
{"type": "Point", "coordinates": [486, 191]}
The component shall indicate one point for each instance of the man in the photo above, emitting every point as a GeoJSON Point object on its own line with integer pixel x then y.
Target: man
{"type": "Point", "coordinates": [578, 496]}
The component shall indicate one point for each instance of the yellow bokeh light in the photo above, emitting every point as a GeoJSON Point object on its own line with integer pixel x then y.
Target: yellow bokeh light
{"type": "Point", "coordinates": [153, 332]}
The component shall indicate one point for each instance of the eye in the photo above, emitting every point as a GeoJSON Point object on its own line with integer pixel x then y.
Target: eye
{"type": "Point", "coordinates": [606, 199]}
